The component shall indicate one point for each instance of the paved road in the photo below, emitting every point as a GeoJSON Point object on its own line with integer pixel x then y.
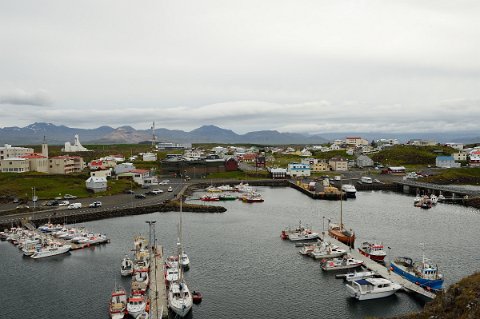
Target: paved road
{"type": "Point", "coordinates": [113, 202]}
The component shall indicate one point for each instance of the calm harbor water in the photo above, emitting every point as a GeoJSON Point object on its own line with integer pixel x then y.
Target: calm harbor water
{"type": "Point", "coordinates": [240, 264]}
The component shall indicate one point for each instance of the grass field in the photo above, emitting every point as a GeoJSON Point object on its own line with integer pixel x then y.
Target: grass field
{"type": "Point", "coordinates": [238, 175]}
{"type": "Point", "coordinates": [50, 186]}
{"type": "Point", "coordinates": [461, 176]}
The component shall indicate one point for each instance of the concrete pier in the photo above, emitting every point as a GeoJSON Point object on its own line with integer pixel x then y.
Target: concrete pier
{"type": "Point", "coordinates": [158, 289]}
{"type": "Point", "coordinates": [383, 271]}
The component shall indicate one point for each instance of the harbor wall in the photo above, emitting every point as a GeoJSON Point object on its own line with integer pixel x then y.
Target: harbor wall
{"type": "Point", "coordinates": [168, 206]}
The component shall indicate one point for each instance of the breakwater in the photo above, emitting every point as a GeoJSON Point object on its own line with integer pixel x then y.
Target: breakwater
{"type": "Point", "coordinates": [80, 217]}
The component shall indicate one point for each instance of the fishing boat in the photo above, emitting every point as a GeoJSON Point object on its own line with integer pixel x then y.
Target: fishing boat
{"type": "Point", "coordinates": [372, 288]}
{"type": "Point", "coordinates": [136, 305]}
{"type": "Point", "coordinates": [425, 202]}
{"type": "Point", "coordinates": [346, 262]}
{"type": "Point", "coordinates": [210, 198]}
{"type": "Point", "coordinates": [127, 266]}
{"type": "Point", "coordinates": [285, 234]}
{"type": "Point", "coordinates": [349, 190]}
{"type": "Point", "coordinates": [50, 250]}
{"type": "Point", "coordinates": [423, 273]}
{"type": "Point", "coordinates": [304, 235]}
{"type": "Point", "coordinates": [118, 303]}
{"type": "Point", "coordinates": [374, 251]}
{"type": "Point", "coordinates": [213, 189]}
{"type": "Point", "coordinates": [185, 261]}
{"type": "Point", "coordinates": [327, 250]}
{"type": "Point", "coordinates": [171, 274]}
{"type": "Point", "coordinates": [226, 188]}
{"type": "Point", "coordinates": [252, 198]}
{"type": "Point", "coordinates": [340, 233]}
{"type": "Point", "coordinates": [225, 197]}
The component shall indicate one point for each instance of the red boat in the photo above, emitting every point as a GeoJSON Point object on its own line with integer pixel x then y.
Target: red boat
{"type": "Point", "coordinates": [196, 297]}
{"type": "Point", "coordinates": [373, 251]}
{"type": "Point", "coordinates": [209, 198]}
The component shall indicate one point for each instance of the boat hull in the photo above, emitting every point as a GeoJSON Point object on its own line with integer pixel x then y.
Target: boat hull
{"type": "Point", "coordinates": [341, 237]}
{"type": "Point", "coordinates": [372, 257]}
{"type": "Point", "coordinates": [435, 284]}
{"type": "Point", "coordinates": [367, 296]}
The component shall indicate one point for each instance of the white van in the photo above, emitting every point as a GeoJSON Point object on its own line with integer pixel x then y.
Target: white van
{"type": "Point", "coordinates": [74, 206]}
{"type": "Point", "coordinates": [366, 180]}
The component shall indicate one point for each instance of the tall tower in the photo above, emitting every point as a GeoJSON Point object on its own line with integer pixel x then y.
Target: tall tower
{"type": "Point", "coordinates": [45, 147]}
{"type": "Point", "coordinates": [154, 138]}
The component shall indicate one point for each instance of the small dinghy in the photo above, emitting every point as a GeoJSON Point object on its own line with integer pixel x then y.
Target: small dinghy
{"type": "Point", "coordinates": [197, 297]}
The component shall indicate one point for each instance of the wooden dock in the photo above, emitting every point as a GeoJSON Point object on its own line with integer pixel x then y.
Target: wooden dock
{"type": "Point", "coordinates": [158, 289]}
{"type": "Point", "coordinates": [383, 271]}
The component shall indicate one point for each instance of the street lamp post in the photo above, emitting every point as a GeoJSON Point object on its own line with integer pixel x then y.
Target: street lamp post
{"type": "Point", "coordinates": [34, 199]}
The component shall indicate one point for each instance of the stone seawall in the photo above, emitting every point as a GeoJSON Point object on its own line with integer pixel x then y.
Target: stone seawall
{"type": "Point", "coordinates": [90, 216]}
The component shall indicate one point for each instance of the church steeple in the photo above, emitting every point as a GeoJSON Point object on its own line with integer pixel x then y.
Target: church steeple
{"type": "Point", "coordinates": [44, 147]}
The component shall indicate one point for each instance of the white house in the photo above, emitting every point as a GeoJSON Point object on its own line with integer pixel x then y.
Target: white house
{"type": "Point", "coordinates": [149, 157]}
{"type": "Point", "coordinates": [96, 184]}
{"type": "Point", "coordinates": [457, 146]}
{"type": "Point", "coordinates": [278, 172]}
{"type": "Point", "coordinates": [446, 162]}
{"type": "Point", "coordinates": [123, 168]}
{"type": "Point", "coordinates": [139, 176]}
{"type": "Point", "coordinates": [298, 169]}
{"type": "Point", "coordinates": [102, 173]}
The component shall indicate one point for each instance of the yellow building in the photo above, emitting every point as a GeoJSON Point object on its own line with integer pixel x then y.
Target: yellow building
{"type": "Point", "coordinates": [338, 164]}
{"type": "Point", "coordinates": [319, 167]}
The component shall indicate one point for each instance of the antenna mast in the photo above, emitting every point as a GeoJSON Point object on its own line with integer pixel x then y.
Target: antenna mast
{"type": "Point", "coordinates": [154, 138]}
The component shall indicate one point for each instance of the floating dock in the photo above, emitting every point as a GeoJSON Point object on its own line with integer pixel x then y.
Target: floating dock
{"type": "Point", "coordinates": [158, 289]}
{"type": "Point", "coordinates": [384, 271]}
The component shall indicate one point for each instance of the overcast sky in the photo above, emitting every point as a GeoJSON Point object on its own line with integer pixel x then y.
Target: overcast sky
{"type": "Point", "coordinates": [294, 66]}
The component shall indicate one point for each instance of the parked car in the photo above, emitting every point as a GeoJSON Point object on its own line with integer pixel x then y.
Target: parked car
{"type": "Point", "coordinates": [164, 182]}
{"type": "Point", "coordinates": [140, 196]}
{"type": "Point", "coordinates": [15, 200]}
{"type": "Point", "coordinates": [64, 203]}
{"type": "Point", "coordinates": [68, 196]}
{"type": "Point", "coordinates": [95, 204]}
{"type": "Point", "coordinates": [23, 206]}
{"type": "Point", "coordinates": [129, 191]}
{"type": "Point", "coordinates": [52, 203]}
{"type": "Point", "coordinates": [170, 189]}
{"type": "Point", "coordinates": [157, 191]}
{"type": "Point", "coordinates": [74, 206]}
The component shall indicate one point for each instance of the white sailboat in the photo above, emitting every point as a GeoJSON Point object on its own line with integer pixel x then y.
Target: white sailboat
{"type": "Point", "coordinates": [180, 299]}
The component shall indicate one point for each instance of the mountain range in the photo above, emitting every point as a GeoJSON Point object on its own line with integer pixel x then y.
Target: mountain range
{"type": "Point", "coordinates": [59, 134]}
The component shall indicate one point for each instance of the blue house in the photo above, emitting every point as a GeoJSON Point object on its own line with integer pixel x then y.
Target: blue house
{"type": "Point", "coordinates": [298, 169]}
{"type": "Point", "coordinates": [446, 162]}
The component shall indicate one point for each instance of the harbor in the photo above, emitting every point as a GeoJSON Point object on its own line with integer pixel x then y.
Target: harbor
{"type": "Point", "coordinates": [237, 254]}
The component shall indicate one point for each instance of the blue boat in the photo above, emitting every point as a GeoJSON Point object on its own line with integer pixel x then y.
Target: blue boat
{"type": "Point", "coordinates": [421, 273]}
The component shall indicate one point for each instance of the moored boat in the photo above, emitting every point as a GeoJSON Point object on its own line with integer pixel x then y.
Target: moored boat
{"type": "Point", "coordinates": [339, 232]}
{"type": "Point", "coordinates": [225, 197]}
{"type": "Point", "coordinates": [346, 262]}
{"type": "Point", "coordinates": [351, 276]}
{"type": "Point", "coordinates": [423, 273]}
{"type": "Point", "coordinates": [210, 198]}
{"type": "Point", "coordinates": [118, 303]}
{"type": "Point", "coordinates": [136, 305]}
{"type": "Point", "coordinates": [127, 266]}
{"type": "Point", "coordinates": [50, 250]}
{"type": "Point", "coordinates": [373, 251]}
{"type": "Point", "coordinates": [304, 235]}
{"type": "Point", "coordinates": [197, 297]}
{"type": "Point", "coordinates": [372, 288]}
{"type": "Point", "coordinates": [327, 250]}
{"type": "Point", "coordinates": [349, 190]}
{"type": "Point", "coordinates": [179, 298]}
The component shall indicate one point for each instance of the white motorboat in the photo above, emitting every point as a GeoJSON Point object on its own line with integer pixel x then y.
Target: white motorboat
{"type": "Point", "coordinates": [141, 265]}
{"type": "Point", "coordinates": [434, 199]}
{"type": "Point", "coordinates": [304, 235]}
{"type": "Point", "coordinates": [327, 250]}
{"type": "Point", "coordinates": [179, 298]}
{"type": "Point", "coordinates": [52, 249]}
{"type": "Point", "coordinates": [346, 262]}
{"type": "Point", "coordinates": [349, 190]}
{"type": "Point", "coordinates": [127, 266]}
{"type": "Point", "coordinates": [372, 288]}
{"type": "Point", "coordinates": [171, 274]}
{"type": "Point", "coordinates": [184, 261]}
{"type": "Point", "coordinates": [352, 276]}
{"type": "Point", "coordinates": [136, 305]}
{"type": "Point", "coordinates": [144, 315]}
{"type": "Point", "coordinates": [118, 303]}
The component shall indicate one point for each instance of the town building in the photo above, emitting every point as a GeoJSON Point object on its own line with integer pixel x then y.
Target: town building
{"type": "Point", "coordinates": [137, 175]}
{"type": "Point", "coordinates": [298, 170]}
{"type": "Point", "coordinates": [14, 165]}
{"type": "Point", "coordinates": [457, 146]}
{"type": "Point", "coordinates": [149, 157]}
{"type": "Point", "coordinates": [96, 184]}
{"type": "Point", "coordinates": [364, 161]}
{"type": "Point", "coordinates": [123, 168]}
{"type": "Point", "coordinates": [278, 173]}
{"type": "Point", "coordinates": [396, 170]}
{"type": "Point", "coordinates": [474, 158]}
{"type": "Point", "coordinates": [356, 141]}
{"type": "Point", "coordinates": [231, 164]}
{"type": "Point", "coordinates": [461, 156]}
{"type": "Point", "coordinates": [37, 162]}
{"type": "Point", "coordinates": [65, 164]}
{"type": "Point", "coordinates": [338, 164]}
{"type": "Point", "coordinates": [9, 151]}
{"type": "Point", "coordinates": [102, 173]}
{"type": "Point", "coordinates": [173, 146]}
{"type": "Point", "coordinates": [446, 162]}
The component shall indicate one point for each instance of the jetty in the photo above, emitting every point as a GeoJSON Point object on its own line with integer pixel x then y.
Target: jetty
{"type": "Point", "coordinates": [385, 272]}
{"type": "Point", "coordinates": [158, 289]}
{"type": "Point", "coordinates": [414, 187]}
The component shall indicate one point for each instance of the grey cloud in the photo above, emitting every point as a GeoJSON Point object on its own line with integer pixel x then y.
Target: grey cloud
{"type": "Point", "coordinates": [21, 97]}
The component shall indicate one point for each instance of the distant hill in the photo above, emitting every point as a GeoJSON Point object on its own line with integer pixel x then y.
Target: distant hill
{"type": "Point", "coordinates": [34, 133]}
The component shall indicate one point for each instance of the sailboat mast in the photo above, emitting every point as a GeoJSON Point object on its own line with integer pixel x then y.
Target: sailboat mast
{"type": "Point", "coordinates": [341, 206]}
